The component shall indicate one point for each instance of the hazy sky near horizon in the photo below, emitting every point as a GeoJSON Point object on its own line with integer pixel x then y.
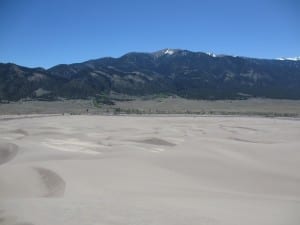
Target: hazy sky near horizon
{"type": "Point", "coordinates": [45, 33]}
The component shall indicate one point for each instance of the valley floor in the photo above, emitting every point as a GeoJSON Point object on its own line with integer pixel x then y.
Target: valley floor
{"type": "Point", "coordinates": [91, 169]}
{"type": "Point", "coordinates": [158, 105]}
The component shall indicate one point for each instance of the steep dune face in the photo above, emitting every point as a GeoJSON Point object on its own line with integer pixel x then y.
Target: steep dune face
{"type": "Point", "coordinates": [149, 170]}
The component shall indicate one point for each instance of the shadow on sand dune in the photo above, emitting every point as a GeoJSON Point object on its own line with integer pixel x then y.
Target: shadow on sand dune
{"type": "Point", "coordinates": [55, 185]}
{"type": "Point", "coordinates": [156, 141]}
{"type": "Point", "coordinates": [7, 152]}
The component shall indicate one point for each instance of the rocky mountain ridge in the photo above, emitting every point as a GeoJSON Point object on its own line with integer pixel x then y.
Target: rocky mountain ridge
{"type": "Point", "coordinates": [184, 73]}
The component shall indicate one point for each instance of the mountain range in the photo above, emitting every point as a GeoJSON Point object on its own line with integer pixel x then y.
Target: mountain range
{"type": "Point", "coordinates": [184, 73]}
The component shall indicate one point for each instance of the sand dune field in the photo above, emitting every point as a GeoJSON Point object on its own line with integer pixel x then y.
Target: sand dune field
{"type": "Point", "coordinates": [149, 170]}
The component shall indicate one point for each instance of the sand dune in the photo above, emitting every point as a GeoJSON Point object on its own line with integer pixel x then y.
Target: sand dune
{"type": "Point", "coordinates": [55, 185]}
{"type": "Point", "coordinates": [26, 182]}
{"type": "Point", "coordinates": [82, 170]}
{"type": "Point", "coordinates": [7, 152]}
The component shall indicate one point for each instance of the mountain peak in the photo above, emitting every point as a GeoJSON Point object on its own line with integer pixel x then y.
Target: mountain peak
{"type": "Point", "coordinates": [166, 51]}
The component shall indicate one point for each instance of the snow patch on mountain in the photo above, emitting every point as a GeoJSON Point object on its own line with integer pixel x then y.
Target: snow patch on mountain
{"type": "Point", "coordinates": [211, 54]}
{"type": "Point", "coordinates": [169, 51]}
{"type": "Point", "coordinates": [166, 51]}
{"type": "Point", "coordinates": [290, 58]}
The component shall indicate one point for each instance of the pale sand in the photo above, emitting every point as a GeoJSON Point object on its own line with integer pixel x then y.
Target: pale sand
{"type": "Point", "coordinates": [84, 170]}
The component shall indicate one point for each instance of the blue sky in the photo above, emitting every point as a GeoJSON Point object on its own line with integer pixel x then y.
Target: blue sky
{"type": "Point", "coordinates": [49, 32]}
